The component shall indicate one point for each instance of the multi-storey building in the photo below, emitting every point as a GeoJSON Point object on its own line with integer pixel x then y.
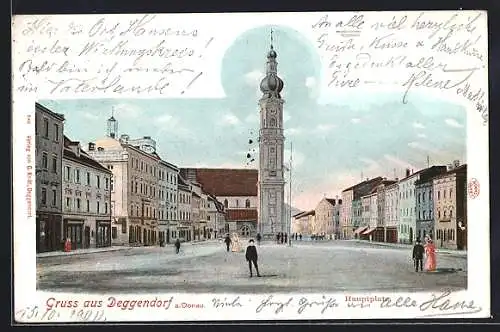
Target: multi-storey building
{"type": "Point", "coordinates": [215, 218]}
{"type": "Point", "coordinates": [390, 222]}
{"type": "Point", "coordinates": [337, 208]}
{"type": "Point", "coordinates": [167, 200]}
{"type": "Point", "coordinates": [49, 145]}
{"type": "Point", "coordinates": [199, 211]}
{"type": "Point", "coordinates": [135, 199]}
{"type": "Point", "coordinates": [324, 217]}
{"type": "Point", "coordinates": [425, 207]}
{"type": "Point", "coordinates": [346, 213]}
{"type": "Point", "coordinates": [236, 189]}
{"type": "Point", "coordinates": [303, 222]}
{"type": "Point", "coordinates": [185, 225]}
{"type": "Point", "coordinates": [450, 208]}
{"type": "Point", "coordinates": [87, 187]}
{"type": "Point", "coordinates": [408, 202]}
{"type": "Point", "coordinates": [380, 231]}
{"type": "Point", "coordinates": [359, 190]}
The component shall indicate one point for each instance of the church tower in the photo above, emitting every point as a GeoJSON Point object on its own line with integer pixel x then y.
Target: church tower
{"type": "Point", "coordinates": [271, 185]}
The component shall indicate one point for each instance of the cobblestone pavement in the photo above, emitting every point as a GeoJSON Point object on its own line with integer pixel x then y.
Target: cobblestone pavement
{"type": "Point", "coordinates": [329, 266]}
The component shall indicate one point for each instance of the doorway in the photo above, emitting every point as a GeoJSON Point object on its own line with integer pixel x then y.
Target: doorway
{"type": "Point", "coordinates": [74, 232]}
{"type": "Point", "coordinates": [87, 237]}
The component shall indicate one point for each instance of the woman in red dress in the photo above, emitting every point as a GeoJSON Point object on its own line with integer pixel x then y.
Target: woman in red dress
{"type": "Point", "coordinates": [430, 253]}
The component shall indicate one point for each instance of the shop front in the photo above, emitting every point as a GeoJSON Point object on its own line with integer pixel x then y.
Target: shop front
{"type": "Point", "coordinates": [73, 230]}
{"type": "Point", "coordinates": [49, 232]}
{"type": "Point", "coordinates": [103, 233]}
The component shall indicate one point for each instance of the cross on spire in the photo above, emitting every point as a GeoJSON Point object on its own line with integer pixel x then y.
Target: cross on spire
{"type": "Point", "coordinates": [271, 38]}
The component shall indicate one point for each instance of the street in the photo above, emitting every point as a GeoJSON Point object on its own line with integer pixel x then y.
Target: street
{"type": "Point", "coordinates": [323, 266]}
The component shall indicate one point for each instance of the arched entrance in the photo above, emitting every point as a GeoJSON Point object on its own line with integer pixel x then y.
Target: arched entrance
{"type": "Point", "coordinates": [245, 231]}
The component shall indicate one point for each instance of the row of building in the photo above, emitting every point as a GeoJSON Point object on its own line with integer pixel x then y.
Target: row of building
{"type": "Point", "coordinates": [431, 202]}
{"type": "Point", "coordinates": [119, 191]}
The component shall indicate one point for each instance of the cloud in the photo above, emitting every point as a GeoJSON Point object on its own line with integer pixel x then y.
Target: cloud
{"type": "Point", "coordinates": [421, 135]}
{"type": "Point", "coordinates": [286, 117]}
{"type": "Point", "coordinates": [252, 118]}
{"type": "Point", "coordinates": [164, 118]}
{"type": "Point", "coordinates": [423, 147]}
{"type": "Point", "coordinates": [355, 120]}
{"type": "Point", "coordinates": [310, 82]}
{"type": "Point", "coordinates": [126, 111]}
{"type": "Point", "coordinates": [90, 116]}
{"type": "Point", "coordinates": [253, 78]}
{"type": "Point", "coordinates": [453, 123]}
{"type": "Point", "coordinates": [418, 125]}
{"type": "Point", "coordinates": [230, 119]}
{"type": "Point", "coordinates": [399, 163]}
{"type": "Point", "coordinates": [293, 131]}
{"type": "Point", "coordinates": [325, 127]}
{"type": "Point", "coordinates": [297, 157]}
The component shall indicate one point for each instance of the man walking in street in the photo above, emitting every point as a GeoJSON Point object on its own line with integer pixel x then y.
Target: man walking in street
{"type": "Point", "coordinates": [418, 255]}
{"type": "Point", "coordinates": [258, 238]}
{"type": "Point", "coordinates": [251, 257]}
{"type": "Point", "coordinates": [177, 246]}
{"type": "Point", "coordinates": [227, 240]}
{"type": "Point", "coordinates": [286, 238]}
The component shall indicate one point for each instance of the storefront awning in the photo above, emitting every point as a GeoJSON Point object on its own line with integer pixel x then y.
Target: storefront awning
{"type": "Point", "coordinates": [360, 229]}
{"type": "Point", "coordinates": [368, 231]}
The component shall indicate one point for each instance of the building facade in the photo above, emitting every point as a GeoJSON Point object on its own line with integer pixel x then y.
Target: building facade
{"type": "Point", "coordinates": [450, 208]}
{"type": "Point", "coordinates": [408, 202]}
{"type": "Point", "coordinates": [167, 200]}
{"type": "Point", "coordinates": [215, 218]}
{"type": "Point", "coordinates": [304, 221]}
{"type": "Point", "coordinates": [49, 146]}
{"type": "Point", "coordinates": [185, 225]}
{"type": "Point", "coordinates": [236, 189]}
{"type": "Point", "coordinates": [425, 208]}
{"type": "Point", "coordinates": [324, 217]}
{"type": "Point", "coordinates": [337, 228]}
{"type": "Point", "coordinates": [87, 187]}
{"type": "Point", "coordinates": [390, 223]}
{"type": "Point", "coordinates": [271, 182]}
{"type": "Point", "coordinates": [346, 213]}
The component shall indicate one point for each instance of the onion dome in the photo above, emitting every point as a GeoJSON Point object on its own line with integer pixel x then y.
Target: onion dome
{"type": "Point", "coordinates": [271, 84]}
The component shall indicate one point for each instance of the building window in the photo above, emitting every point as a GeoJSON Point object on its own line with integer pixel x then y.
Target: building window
{"type": "Point", "coordinates": [54, 163]}
{"type": "Point", "coordinates": [451, 213]}
{"type": "Point", "coordinates": [98, 178]}
{"type": "Point", "coordinates": [111, 184]}
{"type": "Point", "coordinates": [46, 128]}
{"type": "Point", "coordinates": [68, 203]}
{"type": "Point", "coordinates": [88, 178]}
{"type": "Point", "coordinates": [444, 214]}
{"type": "Point", "coordinates": [237, 203]}
{"type": "Point", "coordinates": [439, 214]}
{"type": "Point", "coordinates": [54, 197]}
{"type": "Point", "coordinates": [439, 195]}
{"type": "Point", "coordinates": [247, 203]}
{"type": "Point", "coordinates": [451, 191]}
{"type": "Point", "coordinates": [45, 161]}
{"type": "Point", "coordinates": [106, 184]}
{"type": "Point", "coordinates": [98, 208]}
{"type": "Point", "coordinates": [444, 194]}
{"type": "Point", "coordinates": [77, 175]}
{"type": "Point", "coordinates": [106, 207]}
{"type": "Point", "coordinates": [67, 173]}
{"type": "Point", "coordinates": [419, 197]}
{"type": "Point", "coordinates": [114, 232]}
{"type": "Point", "coordinates": [78, 204]}
{"type": "Point", "coordinates": [44, 196]}
{"type": "Point", "coordinates": [88, 205]}
{"type": "Point", "coordinates": [56, 132]}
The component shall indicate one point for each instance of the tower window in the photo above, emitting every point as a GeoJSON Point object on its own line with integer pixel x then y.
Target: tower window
{"type": "Point", "coordinates": [272, 122]}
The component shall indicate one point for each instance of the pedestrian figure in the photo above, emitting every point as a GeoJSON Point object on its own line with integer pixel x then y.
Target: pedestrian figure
{"type": "Point", "coordinates": [430, 252]}
{"type": "Point", "coordinates": [286, 237]}
{"type": "Point", "coordinates": [300, 237]}
{"type": "Point", "coordinates": [258, 238]}
{"type": "Point", "coordinates": [227, 241]}
{"type": "Point", "coordinates": [278, 237]}
{"type": "Point", "coordinates": [296, 235]}
{"type": "Point", "coordinates": [251, 257]}
{"type": "Point", "coordinates": [282, 237]}
{"type": "Point", "coordinates": [418, 255]}
{"type": "Point", "coordinates": [177, 246]}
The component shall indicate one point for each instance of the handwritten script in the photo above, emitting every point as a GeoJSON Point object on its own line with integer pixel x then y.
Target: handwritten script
{"type": "Point", "coordinates": [437, 305]}
{"type": "Point", "coordinates": [445, 52]}
{"type": "Point", "coordinates": [108, 55]}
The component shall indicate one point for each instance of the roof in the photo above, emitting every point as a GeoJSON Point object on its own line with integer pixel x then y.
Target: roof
{"type": "Point", "coordinates": [331, 201]}
{"type": "Point", "coordinates": [366, 182]}
{"type": "Point", "coordinates": [182, 183]}
{"type": "Point", "coordinates": [305, 214]}
{"type": "Point", "coordinates": [46, 110]}
{"type": "Point", "coordinates": [241, 214]}
{"type": "Point", "coordinates": [429, 170]}
{"type": "Point", "coordinates": [226, 182]}
{"type": "Point", "coordinates": [83, 159]}
{"type": "Point", "coordinates": [460, 169]}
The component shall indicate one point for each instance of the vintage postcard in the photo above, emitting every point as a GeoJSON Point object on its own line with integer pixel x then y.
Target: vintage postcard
{"type": "Point", "coordinates": [250, 166]}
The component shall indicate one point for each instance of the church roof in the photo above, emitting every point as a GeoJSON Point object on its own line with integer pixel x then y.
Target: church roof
{"type": "Point", "coordinates": [225, 181]}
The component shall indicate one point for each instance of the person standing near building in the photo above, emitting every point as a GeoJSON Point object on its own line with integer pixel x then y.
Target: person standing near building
{"type": "Point", "coordinates": [418, 255]}
{"type": "Point", "coordinates": [430, 252]}
{"type": "Point", "coordinates": [227, 241]}
{"type": "Point", "coordinates": [177, 246]}
{"type": "Point", "coordinates": [251, 257]}
{"type": "Point", "coordinates": [286, 237]}
{"type": "Point", "coordinates": [258, 238]}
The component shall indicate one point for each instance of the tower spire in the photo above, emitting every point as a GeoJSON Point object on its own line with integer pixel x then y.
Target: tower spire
{"type": "Point", "coordinates": [272, 38]}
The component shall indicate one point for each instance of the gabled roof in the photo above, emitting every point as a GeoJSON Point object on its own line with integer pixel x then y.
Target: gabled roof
{"type": "Point", "coordinates": [226, 182]}
{"type": "Point", "coordinates": [366, 182]}
{"type": "Point", "coordinates": [332, 201]}
{"type": "Point", "coordinates": [460, 169]}
{"type": "Point", "coordinates": [83, 158]}
{"type": "Point", "coordinates": [305, 214]}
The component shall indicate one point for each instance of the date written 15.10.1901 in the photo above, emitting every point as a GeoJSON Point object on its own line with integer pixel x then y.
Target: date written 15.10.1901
{"type": "Point", "coordinates": [37, 315]}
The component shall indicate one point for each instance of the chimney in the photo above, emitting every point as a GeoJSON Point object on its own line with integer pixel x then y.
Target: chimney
{"type": "Point", "coordinates": [450, 167]}
{"type": "Point", "coordinates": [91, 146]}
{"type": "Point", "coordinates": [407, 172]}
{"type": "Point", "coordinates": [100, 149]}
{"type": "Point", "coordinates": [456, 163]}
{"type": "Point", "coordinates": [396, 179]}
{"type": "Point", "coordinates": [340, 202]}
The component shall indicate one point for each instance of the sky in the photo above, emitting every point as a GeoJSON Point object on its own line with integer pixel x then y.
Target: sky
{"type": "Point", "coordinates": [337, 139]}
